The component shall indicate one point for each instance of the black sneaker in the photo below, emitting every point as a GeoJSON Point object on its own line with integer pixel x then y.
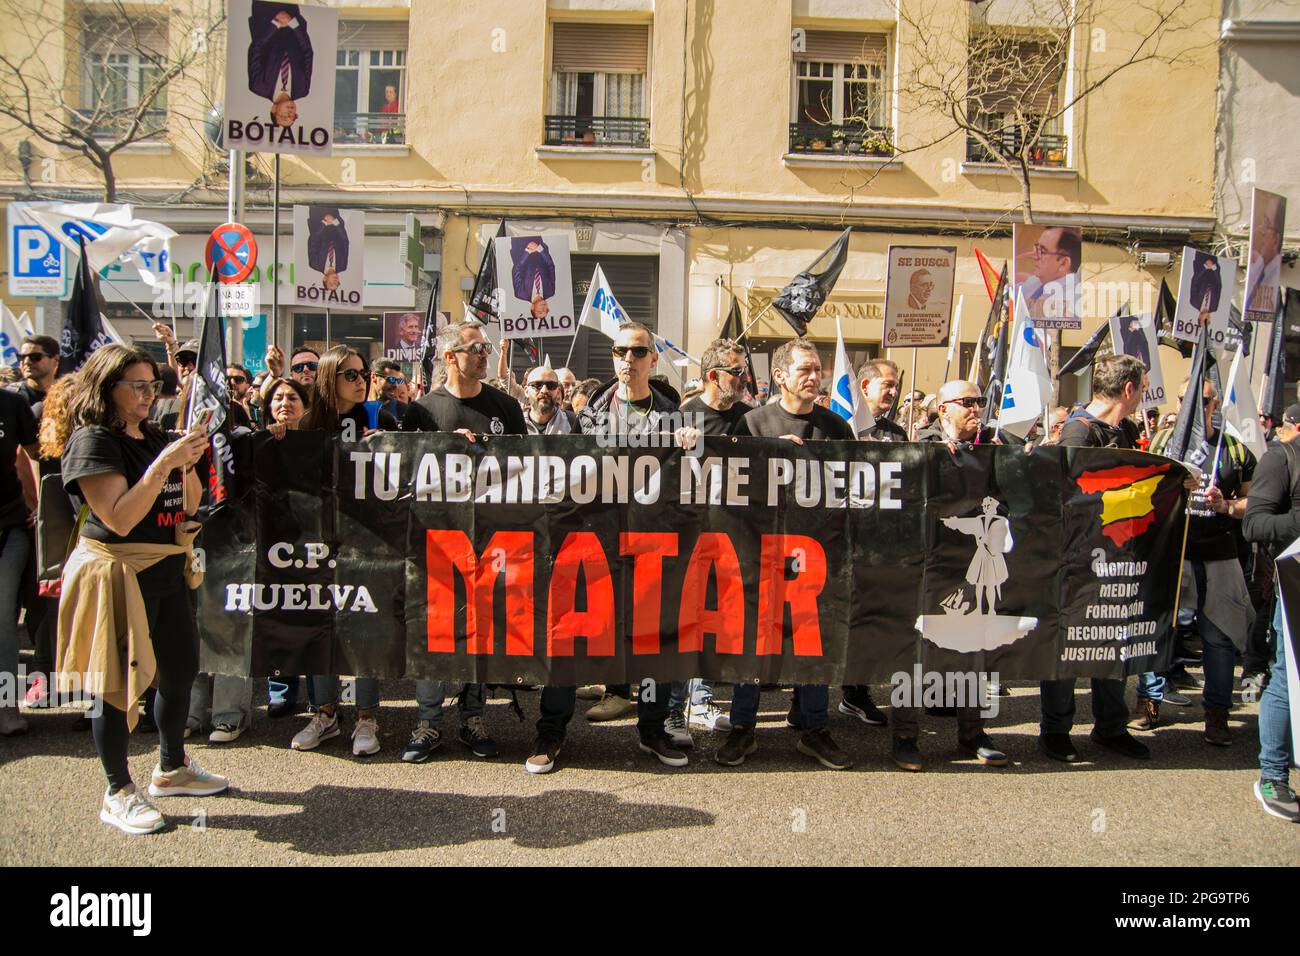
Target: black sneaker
{"type": "Point", "coordinates": [424, 741]}
{"type": "Point", "coordinates": [1184, 680]}
{"type": "Point", "coordinates": [740, 743]}
{"type": "Point", "coordinates": [819, 745]}
{"type": "Point", "coordinates": [1122, 743]}
{"type": "Point", "coordinates": [857, 703]}
{"type": "Point", "coordinates": [661, 746]}
{"type": "Point", "coordinates": [1058, 747]}
{"type": "Point", "coordinates": [907, 754]}
{"type": "Point", "coordinates": [475, 736]}
{"type": "Point", "coordinates": [983, 750]}
{"type": "Point", "coordinates": [545, 750]}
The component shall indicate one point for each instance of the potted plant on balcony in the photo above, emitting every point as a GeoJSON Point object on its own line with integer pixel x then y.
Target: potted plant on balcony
{"type": "Point", "coordinates": [877, 144]}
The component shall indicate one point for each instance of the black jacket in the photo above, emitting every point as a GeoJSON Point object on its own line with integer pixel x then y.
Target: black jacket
{"type": "Point", "coordinates": [1273, 506]}
{"type": "Point", "coordinates": [595, 415]}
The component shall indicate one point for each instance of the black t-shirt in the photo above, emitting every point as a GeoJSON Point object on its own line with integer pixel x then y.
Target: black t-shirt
{"type": "Point", "coordinates": [490, 412]}
{"type": "Point", "coordinates": [29, 394]}
{"type": "Point", "coordinates": [885, 430]}
{"type": "Point", "coordinates": [387, 423]}
{"type": "Point", "coordinates": [1082, 430]}
{"type": "Point", "coordinates": [773, 421]}
{"type": "Point", "coordinates": [17, 427]}
{"type": "Point", "coordinates": [711, 421]}
{"type": "Point", "coordinates": [97, 450]}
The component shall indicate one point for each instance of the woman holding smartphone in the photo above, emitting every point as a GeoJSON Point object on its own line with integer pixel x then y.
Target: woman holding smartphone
{"type": "Point", "coordinates": [337, 404]}
{"type": "Point", "coordinates": [127, 576]}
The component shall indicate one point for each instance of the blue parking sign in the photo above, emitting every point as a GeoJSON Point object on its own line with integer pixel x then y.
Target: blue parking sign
{"type": "Point", "coordinates": [35, 261]}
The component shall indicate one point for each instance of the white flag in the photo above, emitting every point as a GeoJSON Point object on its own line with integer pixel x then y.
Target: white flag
{"type": "Point", "coordinates": [676, 355]}
{"type": "Point", "coordinates": [1240, 415]}
{"type": "Point", "coordinates": [954, 340]}
{"type": "Point", "coordinates": [1028, 387]}
{"type": "Point", "coordinates": [113, 235]}
{"type": "Point", "coordinates": [601, 311]}
{"type": "Point", "coordinates": [847, 400]}
{"type": "Point", "coordinates": [12, 332]}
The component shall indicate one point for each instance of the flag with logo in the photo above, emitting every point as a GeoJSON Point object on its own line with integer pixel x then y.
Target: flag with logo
{"type": "Point", "coordinates": [803, 295]}
{"type": "Point", "coordinates": [485, 300]}
{"type": "Point", "coordinates": [1083, 359]}
{"type": "Point", "coordinates": [734, 328]}
{"type": "Point", "coordinates": [676, 354]}
{"type": "Point", "coordinates": [109, 233]}
{"type": "Point", "coordinates": [991, 351]}
{"type": "Point", "coordinates": [1027, 392]}
{"type": "Point", "coordinates": [1187, 442]}
{"type": "Point", "coordinates": [847, 400]}
{"type": "Point", "coordinates": [601, 311]}
{"type": "Point", "coordinates": [13, 329]}
{"type": "Point", "coordinates": [1240, 416]}
{"type": "Point", "coordinates": [83, 332]}
{"type": "Point", "coordinates": [429, 338]}
{"type": "Point", "coordinates": [209, 396]}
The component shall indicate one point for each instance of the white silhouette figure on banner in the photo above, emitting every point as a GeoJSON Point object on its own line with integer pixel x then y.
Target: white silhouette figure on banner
{"type": "Point", "coordinates": [962, 627]}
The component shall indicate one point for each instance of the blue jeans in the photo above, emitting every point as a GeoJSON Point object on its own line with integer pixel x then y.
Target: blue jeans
{"type": "Point", "coordinates": [1275, 756]}
{"type": "Point", "coordinates": [1152, 686]}
{"type": "Point", "coordinates": [429, 695]}
{"type": "Point", "coordinates": [1109, 711]}
{"type": "Point", "coordinates": [327, 692]}
{"type": "Point", "coordinates": [695, 691]}
{"type": "Point", "coordinates": [813, 701]}
{"type": "Point", "coordinates": [17, 547]}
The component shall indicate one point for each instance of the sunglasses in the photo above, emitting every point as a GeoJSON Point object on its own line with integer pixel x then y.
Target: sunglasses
{"type": "Point", "coordinates": [34, 357]}
{"type": "Point", "coordinates": [737, 372]}
{"type": "Point", "coordinates": [236, 379]}
{"type": "Point", "coordinates": [351, 375]}
{"type": "Point", "coordinates": [141, 386]}
{"type": "Point", "coordinates": [636, 351]}
{"type": "Point", "coordinates": [549, 386]}
{"type": "Point", "coordinates": [305, 367]}
{"type": "Point", "coordinates": [474, 348]}
{"type": "Point", "coordinates": [393, 380]}
{"type": "Point", "coordinates": [979, 402]}
{"type": "Point", "coordinates": [185, 362]}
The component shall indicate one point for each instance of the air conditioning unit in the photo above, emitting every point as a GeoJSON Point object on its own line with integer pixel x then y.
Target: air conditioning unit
{"type": "Point", "coordinates": [1155, 260]}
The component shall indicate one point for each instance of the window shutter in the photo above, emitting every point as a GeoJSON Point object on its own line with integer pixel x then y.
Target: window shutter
{"type": "Point", "coordinates": [843, 47]}
{"type": "Point", "coordinates": [372, 34]}
{"type": "Point", "coordinates": [600, 47]}
{"type": "Point", "coordinates": [1005, 85]}
{"type": "Point", "coordinates": [116, 35]}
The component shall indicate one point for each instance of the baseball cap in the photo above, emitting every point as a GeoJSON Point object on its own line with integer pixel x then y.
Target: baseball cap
{"type": "Point", "coordinates": [1292, 415]}
{"type": "Point", "coordinates": [192, 347]}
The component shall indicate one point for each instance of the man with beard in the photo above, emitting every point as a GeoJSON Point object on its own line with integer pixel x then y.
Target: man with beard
{"type": "Point", "coordinates": [384, 383]}
{"type": "Point", "coordinates": [465, 405]}
{"type": "Point", "coordinates": [544, 415]}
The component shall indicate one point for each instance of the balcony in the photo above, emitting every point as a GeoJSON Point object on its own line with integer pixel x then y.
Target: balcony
{"type": "Point", "coordinates": [370, 129]}
{"type": "Point", "coordinates": [597, 131]}
{"type": "Point", "coordinates": [842, 140]}
{"type": "Point", "coordinates": [1049, 150]}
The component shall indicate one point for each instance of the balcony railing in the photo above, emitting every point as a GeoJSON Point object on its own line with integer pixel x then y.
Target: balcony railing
{"type": "Point", "coordinates": [597, 131]}
{"type": "Point", "coordinates": [851, 139]}
{"type": "Point", "coordinates": [1049, 149]}
{"type": "Point", "coordinates": [110, 124]}
{"type": "Point", "coordinates": [376, 129]}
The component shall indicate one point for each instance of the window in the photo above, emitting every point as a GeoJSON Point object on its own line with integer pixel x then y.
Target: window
{"type": "Point", "coordinates": [598, 85]}
{"type": "Point", "coordinates": [123, 63]}
{"type": "Point", "coordinates": [370, 82]}
{"type": "Point", "coordinates": [1015, 95]}
{"type": "Point", "coordinates": [839, 103]}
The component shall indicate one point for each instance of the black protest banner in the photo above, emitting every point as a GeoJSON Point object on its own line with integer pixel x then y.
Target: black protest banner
{"type": "Point", "coordinates": [560, 559]}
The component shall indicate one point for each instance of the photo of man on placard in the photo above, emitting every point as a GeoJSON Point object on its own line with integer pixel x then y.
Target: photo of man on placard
{"type": "Point", "coordinates": [1047, 269]}
{"type": "Point", "coordinates": [919, 288]}
{"type": "Point", "coordinates": [327, 244]}
{"type": "Point", "coordinates": [279, 58]}
{"type": "Point", "coordinates": [532, 273]}
{"type": "Point", "coordinates": [1133, 340]}
{"type": "Point", "coordinates": [1264, 273]}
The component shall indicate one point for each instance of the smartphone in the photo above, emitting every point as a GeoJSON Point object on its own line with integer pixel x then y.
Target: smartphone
{"type": "Point", "coordinates": [201, 419]}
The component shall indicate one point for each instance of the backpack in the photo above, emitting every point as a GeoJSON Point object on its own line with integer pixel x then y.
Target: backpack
{"type": "Point", "coordinates": [58, 526]}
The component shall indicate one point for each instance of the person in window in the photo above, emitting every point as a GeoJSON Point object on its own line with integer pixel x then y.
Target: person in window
{"type": "Point", "coordinates": [128, 574]}
{"type": "Point", "coordinates": [279, 58]}
{"type": "Point", "coordinates": [342, 382]}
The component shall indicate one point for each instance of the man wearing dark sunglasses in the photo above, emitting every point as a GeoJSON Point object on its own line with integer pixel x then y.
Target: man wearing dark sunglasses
{"type": "Point", "coordinates": [960, 407]}
{"type": "Point", "coordinates": [38, 360]}
{"type": "Point", "coordinates": [384, 382]}
{"type": "Point", "coordinates": [546, 414]}
{"type": "Point", "coordinates": [718, 409]}
{"type": "Point", "coordinates": [238, 380]}
{"type": "Point", "coordinates": [464, 404]}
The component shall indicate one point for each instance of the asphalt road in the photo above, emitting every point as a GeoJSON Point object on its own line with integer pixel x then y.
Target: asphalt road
{"type": "Point", "coordinates": [607, 803]}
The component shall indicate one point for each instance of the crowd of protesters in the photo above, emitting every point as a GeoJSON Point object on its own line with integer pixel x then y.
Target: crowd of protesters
{"type": "Point", "coordinates": [114, 437]}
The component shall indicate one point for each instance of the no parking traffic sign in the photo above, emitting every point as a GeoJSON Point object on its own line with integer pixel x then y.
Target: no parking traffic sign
{"type": "Point", "coordinates": [231, 252]}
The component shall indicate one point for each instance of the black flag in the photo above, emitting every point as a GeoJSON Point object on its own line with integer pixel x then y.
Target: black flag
{"type": "Point", "coordinates": [1187, 443]}
{"type": "Point", "coordinates": [1166, 305]}
{"type": "Point", "coordinates": [734, 328]}
{"type": "Point", "coordinates": [83, 332]}
{"type": "Point", "coordinates": [1087, 354]}
{"type": "Point", "coordinates": [483, 300]}
{"type": "Point", "coordinates": [429, 340]}
{"type": "Point", "coordinates": [209, 394]}
{"type": "Point", "coordinates": [803, 295]}
{"type": "Point", "coordinates": [1273, 402]}
{"type": "Point", "coordinates": [994, 348]}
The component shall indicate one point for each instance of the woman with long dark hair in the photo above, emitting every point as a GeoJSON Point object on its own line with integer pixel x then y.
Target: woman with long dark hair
{"type": "Point", "coordinates": [338, 397]}
{"type": "Point", "coordinates": [127, 575]}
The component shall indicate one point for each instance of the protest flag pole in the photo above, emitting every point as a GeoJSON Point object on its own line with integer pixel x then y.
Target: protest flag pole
{"type": "Point", "coordinates": [275, 255]}
{"type": "Point", "coordinates": [327, 328]}
{"type": "Point", "coordinates": [911, 406]}
{"type": "Point", "coordinates": [761, 312]}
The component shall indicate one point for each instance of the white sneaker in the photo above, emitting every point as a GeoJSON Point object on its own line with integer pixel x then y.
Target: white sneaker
{"type": "Point", "coordinates": [130, 812]}
{"type": "Point", "coordinates": [191, 780]}
{"type": "Point", "coordinates": [709, 717]}
{"type": "Point", "coordinates": [322, 726]}
{"type": "Point", "coordinates": [675, 728]}
{"type": "Point", "coordinates": [225, 733]}
{"type": "Point", "coordinates": [365, 738]}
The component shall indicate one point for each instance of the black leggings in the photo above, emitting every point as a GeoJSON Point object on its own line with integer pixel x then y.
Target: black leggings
{"type": "Point", "coordinates": [176, 649]}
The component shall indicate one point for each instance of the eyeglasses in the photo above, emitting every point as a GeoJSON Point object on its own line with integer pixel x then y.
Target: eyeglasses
{"type": "Point", "coordinates": [351, 375]}
{"type": "Point", "coordinates": [636, 351]}
{"type": "Point", "coordinates": [236, 379]}
{"type": "Point", "coordinates": [141, 386]}
{"type": "Point", "coordinates": [304, 367]}
{"type": "Point", "coordinates": [473, 348]}
{"type": "Point", "coordinates": [978, 402]}
{"type": "Point", "coordinates": [1042, 250]}
{"type": "Point", "coordinates": [549, 386]}
{"type": "Point", "coordinates": [33, 357]}
{"type": "Point", "coordinates": [737, 372]}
